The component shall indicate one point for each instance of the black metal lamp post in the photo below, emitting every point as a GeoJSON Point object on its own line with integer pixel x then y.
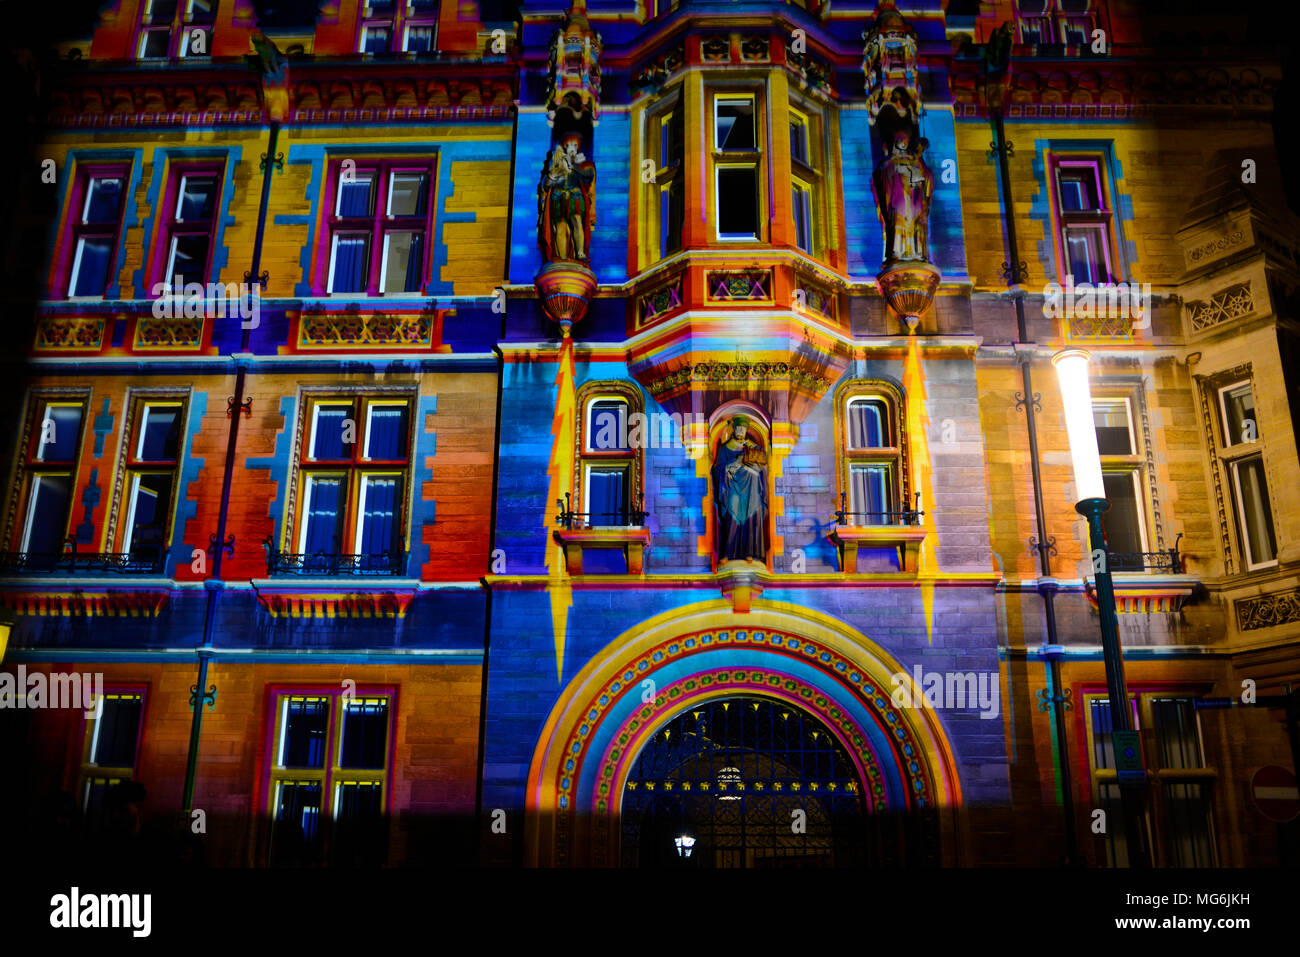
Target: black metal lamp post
{"type": "Point", "coordinates": [1076, 394]}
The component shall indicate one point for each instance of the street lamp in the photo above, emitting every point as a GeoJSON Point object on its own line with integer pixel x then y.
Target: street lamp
{"type": "Point", "coordinates": [1076, 396]}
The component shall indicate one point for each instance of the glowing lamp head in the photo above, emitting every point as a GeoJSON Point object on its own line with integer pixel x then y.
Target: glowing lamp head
{"type": "Point", "coordinates": [1076, 397]}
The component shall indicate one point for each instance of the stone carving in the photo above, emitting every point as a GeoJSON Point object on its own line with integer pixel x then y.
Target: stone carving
{"type": "Point", "coordinates": [903, 185]}
{"type": "Point", "coordinates": [566, 206]}
{"type": "Point", "coordinates": [740, 494]}
{"type": "Point", "coordinates": [1268, 610]}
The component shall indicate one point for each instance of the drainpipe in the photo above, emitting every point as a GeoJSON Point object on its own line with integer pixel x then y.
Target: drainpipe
{"type": "Point", "coordinates": [1013, 271]}
{"type": "Point", "coordinates": [237, 407]}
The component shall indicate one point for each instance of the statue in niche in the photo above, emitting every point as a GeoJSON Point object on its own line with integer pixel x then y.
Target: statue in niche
{"type": "Point", "coordinates": [740, 494]}
{"type": "Point", "coordinates": [903, 186]}
{"type": "Point", "coordinates": [566, 207]}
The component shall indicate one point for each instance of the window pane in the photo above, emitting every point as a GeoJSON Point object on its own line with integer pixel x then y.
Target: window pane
{"type": "Point", "coordinates": [1110, 417]}
{"type": "Point", "coordinates": [380, 515]}
{"type": "Point", "coordinates": [1121, 522]}
{"type": "Point", "coordinates": [359, 801]}
{"type": "Point", "coordinates": [403, 261]}
{"type": "Point", "coordinates": [161, 11]}
{"type": "Point", "coordinates": [1078, 188]}
{"type": "Point", "coordinates": [355, 196]}
{"type": "Point", "coordinates": [1083, 251]}
{"type": "Point", "coordinates": [386, 438]}
{"type": "Point", "coordinates": [349, 265]}
{"type": "Point", "coordinates": [117, 730]}
{"type": "Point", "coordinates": [302, 737]}
{"type": "Point", "coordinates": [419, 39]}
{"type": "Point", "coordinates": [1076, 31]}
{"type": "Point", "coordinates": [871, 494]}
{"type": "Point", "coordinates": [798, 141]}
{"type": "Point", "coordinates": [330, 431]}
{"type": "Point", "coordinates": [607, 502]}
{"type": "Point", "coordinates": [801, 206]}
{"type": "Point", "coordinates": [160, 434]}
{"type": "Point", "coordinates": [150, 506]}
{"type": "Point", "coordinates": [1103, 747]}
{"type": "Point", "coordinates": [47, 519]}
{"type": "Point", "coordinates": [1180, 745]}
{"type": "Point", "coordinates": [154, 44]}
{"type": "Point", "coordinates": [198, 196]}
{"type": "Point", "coordinates": [376, 40]}
{"type": "Point", "coordinates": [324, 512]}
{"type": "Point", "coordinates": [737, 202]}
{"type": "Point", "coordinates": [1255, 512]}
{"type": "Point", "coordinates": [103, 200]}
{"type": "Point", "coordinates": [1239, 422]}
{"type": "Point", "coordinates": [365, 733]}
{"type": "Point", "coordinates": [670, 218]}
{"type": "Point", "coordinates": [189, 261]}
{"type": "Point", "coordinates": [607, 425]}
{"type": "Point", "coordinates": [297, 817]}
{"type": "Point", "coordinates": [735, 125]}
{"type": "Point", "coordinates": [406, 195]}
{"type": "Point", "coordinates": [91, 265]}
{"type": "Point", "coordinates": [202, 11]}
{"type": "Point", "coordinates": [1116, 839]}
{"type": "Point", "coordinates": [62, 432]}
{"type": "Point", "coordinates": [867, 424]}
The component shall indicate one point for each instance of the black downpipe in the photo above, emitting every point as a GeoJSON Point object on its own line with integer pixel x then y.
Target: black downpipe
{"type": "Point", "coordinates": [1047, 587]}
{"type": "Point", "coordinates": [214, 584]}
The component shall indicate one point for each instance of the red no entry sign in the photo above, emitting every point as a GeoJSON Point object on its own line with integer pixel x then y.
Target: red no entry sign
{"type": "Point", "coordinates": [1274, 791]}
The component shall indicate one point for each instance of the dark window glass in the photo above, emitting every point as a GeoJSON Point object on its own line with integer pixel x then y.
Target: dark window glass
{"type": "Point", "coordinates": [737, 202]}
{"type": "Point", "coordinates": [386, 441]}
{"type": "Point", "coordinates": [297, 817]}
{"type": "Point", "coordinates": [1121, 521]}
{"type": "Point", "coordinates": [94, 258]}
{"type": "Point", "coordinates": [104, 200]}
{"type": "Point", "coordinates": [407, 195]}
{"type": "Point", "coordinates": [1111, 421]}
{"type": "Point", "coordinates": [162, 11]}
{"type": "Point", "coordinates": [1255, 511]}
{"type": "Point", "coordinates": [735, 125]}
{"type": "Point", "coordinates": [324, 515]}
{"type": "Point", "coordinates": [1239, 410]}
{"type": "Point", "coordinates": [419, 39]}
{"type": "Point", "coordinates": [305, 723]}
{"type": "Point", "coordinates": [868, 424]}
{"type": "Point", "coordinates": [66, 430]}
{"type": "Point", "coordinates": [607, 425]}
{"type": "Point", "coordinates": [378, 40]}
{"type": "Point", "coordinates": [152, 504]}
{"type": "Point", "coordinates": [365, 733]}
{"type": "Point", "coordinates": [331, 423]}
{"type": "Point", "coordinates": [117, 732]}
{"type": "Point", "coordinates": [48, 522]}
{"type": "Point", "coordinates": [1079, 189]}
{"type": "Point", "coordinates": [381, 510]}
{"type": "Point", "coordinates": [189, 261]}
{"type": "Point", "coordinates": [1180, 745]}
{"type": "Point", "coordinates": [156, 43]}
{"type": "Point", "coordinates": [355, 196]}
{"type": "Point", "coordinates": [607, 496]}
{"type": "Point", "coordinates": [350, 261]}
{"type": "Point", "coordinates": [160, 434]}
{"type": "Point", "coordinates": [799, 141]}
{"type": "Point", "coordinates": [197, 199]}
{"type": "Point", "coordinates": [871, 495]}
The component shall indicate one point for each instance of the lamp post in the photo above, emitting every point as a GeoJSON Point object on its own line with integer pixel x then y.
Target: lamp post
{"type": "Point", "coordinates": [1076, 395]}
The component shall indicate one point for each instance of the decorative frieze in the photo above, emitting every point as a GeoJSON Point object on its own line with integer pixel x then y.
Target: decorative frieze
{"type": "Point", "coordinates": [70, 333]}
{"type": "Point", "coordinates": [659, 302]}
{"type": "Point", "coordinates": [738, 375]}
{"type": "Point", "coordinates": [1099, 328]}
{"type": "Point", "coordinates": [739, 285]}
{"type": "Point", "coordinates": [377, 329]}
{"type": "Point", "coordinates": [1265, 611]}
{"type": "Point", "coordinates": [151, 333]}
{"type": "Point", "coordinates": [1234, 302]}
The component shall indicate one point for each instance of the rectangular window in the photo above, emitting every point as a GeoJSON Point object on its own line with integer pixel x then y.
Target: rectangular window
{"type": "Point", "coordinates": [872, 458]}
{"type": "Point", "coordinates": [111, 749]}
{"type": "Point", "coordinates": [1084, 219]}
{"type": "Point", "coordinates": [95, 230]}
{"type": "Point", "coordinates": [736, 174]}
{"type": "Point", "coordinates": [389, 26]}
{"type": "Point", "coordinates": [1237, 406]}
{"type": "Point", "coordinates": [668, 189]}
{"type": "Point", "coordinates": [152, 468]}
{"type": "Point", "coordinates": [48, 477]}
{"type": "Point", "coordinates": [190, 228]}
{"type": "Point", "coordinates": [168, 28]}
{"type": "Point", "coordinates": [801, 208]}
{"type": "Point", "coordinates": [1248, 484]}
{"type": "Point", "coordinates": [354, 475]}
{"type": "Point", "coordinates": [384, 209]}
{"type": "Point", "coordinates": [608, 468]}
{"type": "Point", "coordinates": [329, 776]}
{"type": "Point", "coordinates": [1123, 476]}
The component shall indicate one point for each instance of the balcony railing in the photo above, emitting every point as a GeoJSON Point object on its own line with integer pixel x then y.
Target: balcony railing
{"type": "Point", "coordinates": [142, 561]}
{"type": "Point", "coordinates": [333, 564]}
{"type": "Point", "coordinates": [1168, 561]}
{"type": "Point", "coordinates": [628, 517]}
{"type": "Point", "coordinates": [908, 516]}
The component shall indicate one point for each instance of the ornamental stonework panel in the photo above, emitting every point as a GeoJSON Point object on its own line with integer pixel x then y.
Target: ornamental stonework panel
{"type": "Point", "coordinates": [70, 334]}
{"type": "Point", "coordinates": [1266, 611]}
{"type": "Point", "coordinates": [324, 330]}
{"type": "Point", "coordinates": [1234, 302]}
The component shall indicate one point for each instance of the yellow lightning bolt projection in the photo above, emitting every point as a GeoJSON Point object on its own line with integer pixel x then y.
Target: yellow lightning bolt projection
{"type": "Point", "coordinates": [560, 474]}
{"type": "Point", "coordinates": [918, 435]}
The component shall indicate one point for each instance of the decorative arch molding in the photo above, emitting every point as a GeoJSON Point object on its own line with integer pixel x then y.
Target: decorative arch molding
{"type": "Point", "coordinates": [597, 727]}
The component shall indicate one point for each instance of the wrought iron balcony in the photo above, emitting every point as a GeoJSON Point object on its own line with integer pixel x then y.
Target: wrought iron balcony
{"type": "Point", "coordinates": [1168, 561]}
{"type": "Point", "coordinates": [908, 516]}
{"type": "Point", "coordinates": [141, 561]}
{"type": "Point", "coordinates": [333, 564]}
{"type": "Point", "coordinates": [627, 518]}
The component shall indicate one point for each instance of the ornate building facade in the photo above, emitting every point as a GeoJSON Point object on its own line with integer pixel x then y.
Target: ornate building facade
{"type": "Point", "coordinates": [626, 433]}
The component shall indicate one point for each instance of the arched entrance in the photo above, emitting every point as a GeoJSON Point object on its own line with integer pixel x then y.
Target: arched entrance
{"type": "Point", "coordinates": [746, 781]}
{"type": "Point", "coordinates": [683, 660]}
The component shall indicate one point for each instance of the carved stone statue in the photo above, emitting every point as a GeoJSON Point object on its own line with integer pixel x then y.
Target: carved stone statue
{"type": "Point", "coordinates": [739, 476]}
{"type": "Point", "coordinates": [903, 186]}
{"type": "Point", "coordinates": [566, 208]}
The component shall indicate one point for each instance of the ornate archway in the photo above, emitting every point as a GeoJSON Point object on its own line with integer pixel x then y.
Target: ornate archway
{"type": "Point", "coordinates": [686, 657]}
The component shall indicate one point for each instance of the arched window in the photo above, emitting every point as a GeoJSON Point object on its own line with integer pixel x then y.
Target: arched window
{"type": "Point", "coordinates": [873, 477]}
{"type": "Point", "coordinates": [608, 477]}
